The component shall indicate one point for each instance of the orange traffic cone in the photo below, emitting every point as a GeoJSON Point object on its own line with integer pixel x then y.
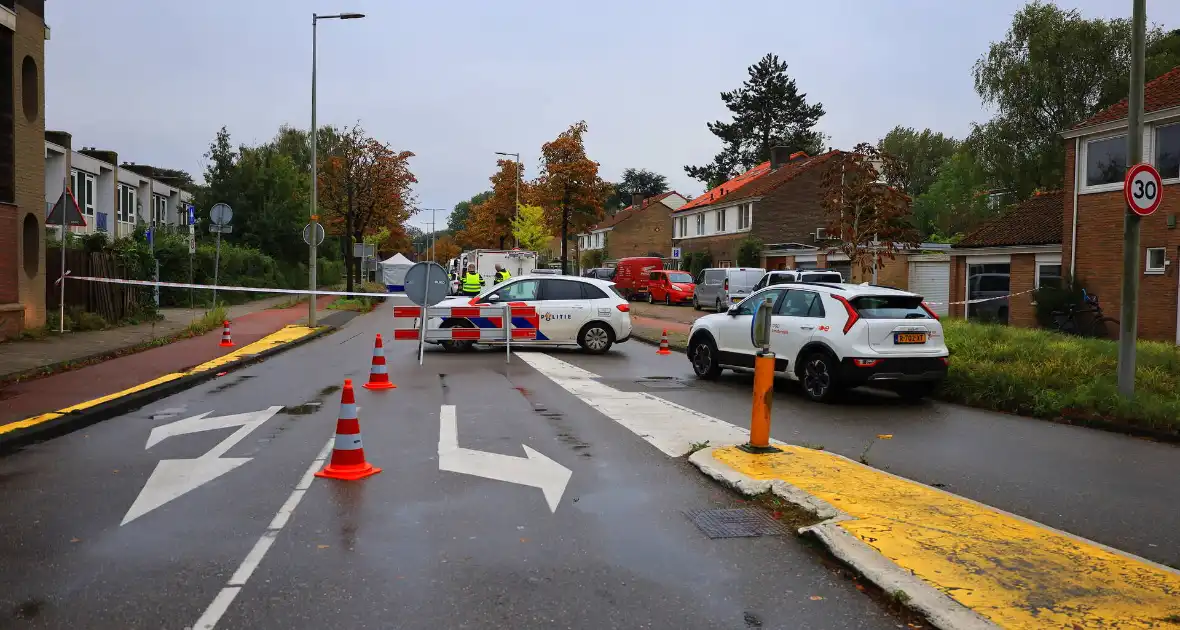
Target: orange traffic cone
{"type": "Point", "coordinates": [226, 339]}
{"type": "Point", "coordinates": [378, 373]}
{"type": "Point", "coordinates": [664, 349]}
{"type": "Point", "coordinates": [348, 455]}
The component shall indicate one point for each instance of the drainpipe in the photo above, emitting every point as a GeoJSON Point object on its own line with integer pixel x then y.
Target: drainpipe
{"type": "Point", "coordinates": [1073, 247]}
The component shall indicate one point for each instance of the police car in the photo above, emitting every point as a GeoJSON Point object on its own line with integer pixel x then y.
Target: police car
{"type": "Point", "coordinates": [570, 311]}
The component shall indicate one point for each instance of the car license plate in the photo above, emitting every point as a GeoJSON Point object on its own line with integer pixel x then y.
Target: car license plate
{"type": "Point", "coordinates": [736, 299]}
{"type": "Point", "coordinates": [900, 338]}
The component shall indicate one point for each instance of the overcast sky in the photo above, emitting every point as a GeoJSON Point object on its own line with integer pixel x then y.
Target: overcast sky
{"type": "Point", "coordinates": [456, 81]}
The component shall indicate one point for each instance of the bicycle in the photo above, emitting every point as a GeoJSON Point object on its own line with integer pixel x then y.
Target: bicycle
{"type": "Point", "coordinates": [1097, 325]}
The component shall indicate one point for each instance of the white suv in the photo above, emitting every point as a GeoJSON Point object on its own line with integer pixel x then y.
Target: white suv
{"type": "Point", "coordinates": [830, 337]}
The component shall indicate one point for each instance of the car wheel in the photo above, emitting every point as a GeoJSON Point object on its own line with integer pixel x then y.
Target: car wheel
{"type": "Point", "coordinates": [703, 355]}
{"type": "Point", "coordinates": [915, 391]}
{"type": "Point", "coordinates": [596, 337]}
{"type": "Point", "coordinates": [718, 305]}
{"type": "Point", "coordinates": [650, 300]}
{"type": "Point", "coordinates": [457, 346]}
{"type": "Point", "coordinates": [819, 377]}
{"type": "Point", "coordinates": [668, 299]}
{"type": "Point", "coordinates": [696, 306]}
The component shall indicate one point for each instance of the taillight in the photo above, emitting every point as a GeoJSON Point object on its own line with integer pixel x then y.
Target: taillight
{"type": "Point", "coordinates": [928, 311]}
{"type": "Point", "coordinates": [865, 362]}
{"type": "Point", "coordinates": [624, 307]}
{"type": "Point", "coordinates": [945, 360]}
{"type": "Point", "coordinates": [853, 316]}
{"type": "Point", "coordinates": [726, 287]}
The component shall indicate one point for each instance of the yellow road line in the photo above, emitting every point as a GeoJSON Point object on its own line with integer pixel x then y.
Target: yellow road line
{"type": "Point", "coordinates": [1015, 573]}
{"type": "Point", "coordinates": [278, 338]}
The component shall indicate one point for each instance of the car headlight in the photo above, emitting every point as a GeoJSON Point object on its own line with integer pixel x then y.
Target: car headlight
{"type": "Point", "coordinates": [677, 287]}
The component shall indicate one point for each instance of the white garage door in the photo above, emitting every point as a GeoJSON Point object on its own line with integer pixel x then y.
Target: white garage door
{"type": "Point", "coordinates": [931, 280]}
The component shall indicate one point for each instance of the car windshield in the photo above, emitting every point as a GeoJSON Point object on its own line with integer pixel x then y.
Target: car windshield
{"type": "Point", "coordinates": [679, 277]}
{"type": "Point", "coordinates": [890, 307]}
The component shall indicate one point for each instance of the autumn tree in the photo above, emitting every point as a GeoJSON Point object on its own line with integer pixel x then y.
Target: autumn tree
{"type": "Point", "coordinates": [768, 110]}
{"type": "Point", "coordinates": [364, 187]}
{"type": "Point", "coordinates": [445, 249]}
{"type": "Point", "coordinates": [569, 187]}
{"type": "Point", "coordinates": [457, 220]}
{"type": "Point", "coordinates": [529, 228]}
{"type": "Point", "coordinates": [869, 217]}
{"type": "Point", "coordinates": [489, 223]}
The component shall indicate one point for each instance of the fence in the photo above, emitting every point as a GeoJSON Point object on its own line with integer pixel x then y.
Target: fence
{"type": "Point", "coordinates": [113, 302]}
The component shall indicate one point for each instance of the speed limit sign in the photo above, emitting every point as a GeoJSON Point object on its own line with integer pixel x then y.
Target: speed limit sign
{"type": "Point", "coordinates": [1142, 189]}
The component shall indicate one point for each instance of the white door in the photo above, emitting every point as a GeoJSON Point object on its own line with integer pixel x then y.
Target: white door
{"type": "Point", "coordinates": [517, 293]}
{"type": "Point", "coordinates": [735, 330]}
{"type": "Point", "coordinates": [795, 321]}
{"type": "Point", "coordinates": [561, 310]}
{"type": "Point", "coordinates": [932, 280]}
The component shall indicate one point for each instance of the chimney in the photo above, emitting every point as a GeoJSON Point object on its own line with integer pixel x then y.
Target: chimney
{"type": "Point", "coordinates": [779, 156]}
{"type": "Point", "coordinates": [636, 200]}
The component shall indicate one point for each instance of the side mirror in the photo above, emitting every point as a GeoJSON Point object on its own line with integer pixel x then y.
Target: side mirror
{"type": "Point", "coordinates": [733, 311]}
{"type": "Point", "coordinates": [493, 298]}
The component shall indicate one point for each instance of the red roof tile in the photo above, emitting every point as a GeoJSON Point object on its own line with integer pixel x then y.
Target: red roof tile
{"type": "Point", "coordinates": [728, 187]}
{"type": "Point", "coordinates": [628, 212]}
{"type": "Point", "coordinates": [1034, 221]}
{"type": "Point", "coordinates": [1161, 92]}
{"type": "Point", "coordinates": [757, 181]}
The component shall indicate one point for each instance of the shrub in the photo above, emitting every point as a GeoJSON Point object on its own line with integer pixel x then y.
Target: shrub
{"type": "Point", "coordinates": [749, 253]}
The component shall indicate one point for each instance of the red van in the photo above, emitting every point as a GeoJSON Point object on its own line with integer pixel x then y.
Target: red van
{"type": "Point", "coordinates": [633, 274]}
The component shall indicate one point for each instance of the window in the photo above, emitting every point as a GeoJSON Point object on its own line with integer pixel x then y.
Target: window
{"type": "Point", "coordinates": [159, 209]}
{"type": "Point", "coordinates": [721, 220]}
{"type": "Point", "coordinates": [1167, 151]}
{"type": "Point", "coordinates": [682, 227]}
{"type": "Point", "coordinates": [83, 187]}
{"type": "Point", "coordinates": [744, 212]}
{"type": "Point", "coordinates": [32, 245]}
{"type": "Point", "coordinates": [890, 307]}
{"type": "Point", "coordinates": [801, 304]}
{"type": "Point", "coordinates": [562, 290]}
{"type": "Point", "coordinates": [747, 307]}
{"type": "Point", "coordinates": [725, 264]}
{"type": "Point", "coordinates": [989, 282]}
{"type": "Point", "coordinates": [126, 204]}
{"type": "Point", "coordinates": [1048, 275]}
{"type": "Point", "coordinates": [1156, 260]}
{"type": "Point", "coordinates": [591, 292]}
{"type": "Point", "coordinates": [30, 95]}
{"type": "Point", "coordinates": [1106, 161]}
{"type": "Point", "coordinates": [520, 291]}
{"type": "Point", "coordinates": [700, 224]}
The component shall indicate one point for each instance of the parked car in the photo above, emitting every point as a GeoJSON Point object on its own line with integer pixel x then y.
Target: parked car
{"type": "Point", "coordinates": [570, 310]}
{"type": "Point", "coordinates": [633, 274]}
{"type": "Point", "coordinates": [995, 288]}
{"type": "Point", "coordinates": [831, 337]}
{"type": "Point", "coordinates": [601, 273]}
{"type": "Point", "coordinates": [670, 287]}
{"type": "Point", "coordinates": [721, 286]}
{"type": "Point", "coordinates": [787, 276]}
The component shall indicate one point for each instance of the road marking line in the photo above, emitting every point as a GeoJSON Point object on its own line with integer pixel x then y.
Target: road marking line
{"type": "Point", "coordinates": [225, 597]}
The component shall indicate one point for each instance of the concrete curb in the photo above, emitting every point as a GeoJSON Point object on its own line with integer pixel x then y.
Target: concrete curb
{"type": "Point", "coordinates": [941, 610]}
{"type": "Point", "coordinates": [640, 337]}
{"type": "Point", "coordinates": [73, 421]}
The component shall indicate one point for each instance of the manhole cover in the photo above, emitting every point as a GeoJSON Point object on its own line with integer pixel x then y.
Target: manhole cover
{"type": "Point", "coordinates": [661, 382]}
{"type": "Point", "coordinates": [736, 523]}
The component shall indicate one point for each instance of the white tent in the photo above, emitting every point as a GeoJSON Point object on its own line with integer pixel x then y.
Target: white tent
{"type": "Point", "coordinates": [393, 272]}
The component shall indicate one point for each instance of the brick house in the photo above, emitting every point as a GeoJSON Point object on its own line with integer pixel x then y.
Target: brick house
{"type": "Point", "coordinates": [22, 165]}
{"type": "Point", "coordinates": [635, 232]}
{"type": "Point", "coordinates": [1092, 222]}
{"type": "Point", "coordinates": [1009, 255]}
{"type": "Point", "coordinates": [777, 202]}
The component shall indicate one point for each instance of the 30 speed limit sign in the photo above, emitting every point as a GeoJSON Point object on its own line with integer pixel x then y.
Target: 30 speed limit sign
{"type": "Point", "coordinates": [1142, 189]}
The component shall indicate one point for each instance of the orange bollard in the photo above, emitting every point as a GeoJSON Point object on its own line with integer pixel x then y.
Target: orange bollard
{"type": "Point", "coordinates": [348, 454]}
{"type": "Point", "coordinates": [226, 339]}
{"type": "Point", "coordinates": [763, 403]}
{"type": "Point", "coordinates": [378, 372]}
{"type": "Point", "coordinates": [664, 349]}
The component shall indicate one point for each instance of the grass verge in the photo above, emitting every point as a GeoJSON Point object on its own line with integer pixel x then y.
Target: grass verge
{"type": "Point", "coordinates": [1071, 379]}
{"type": "Point", "coordinates": [355, 303]}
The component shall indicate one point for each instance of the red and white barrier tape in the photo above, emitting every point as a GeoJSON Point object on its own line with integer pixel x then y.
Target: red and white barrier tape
{"type": "Point", "coordinates": [991, 299]}
{"type": "Point", "coordinates": [185, 285]}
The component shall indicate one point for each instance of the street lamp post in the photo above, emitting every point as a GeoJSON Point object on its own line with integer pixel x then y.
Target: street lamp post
{"type": "Point", "coordinates": [515, 210]}
{"type": "Point", "coordinates": [311, 281]}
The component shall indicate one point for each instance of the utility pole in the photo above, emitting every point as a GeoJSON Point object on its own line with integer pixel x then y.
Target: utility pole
{"type": "Point", "coordinates": [1129, 315]}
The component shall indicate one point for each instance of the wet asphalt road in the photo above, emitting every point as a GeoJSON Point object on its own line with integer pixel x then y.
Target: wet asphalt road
{"type": "Point", "coordinates": [1114, 489]}
{"type": "Point", "coordinates": [412, 547]}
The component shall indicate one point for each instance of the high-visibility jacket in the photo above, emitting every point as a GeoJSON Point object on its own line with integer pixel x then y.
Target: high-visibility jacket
{"type": "Point", "coordinates": [472, 283]}
{"type": "Point", "coordinates": [502, 275]}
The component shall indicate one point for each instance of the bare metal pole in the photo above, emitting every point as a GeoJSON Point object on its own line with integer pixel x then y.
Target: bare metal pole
{"type": "Point", "coordinates": [312, 256]}
{"type": "Point", "coordinates": [1129, 305]}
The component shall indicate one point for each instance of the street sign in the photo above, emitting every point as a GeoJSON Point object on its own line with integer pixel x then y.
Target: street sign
{"type": "Point", "coordinates": [426, 283]}
{"type": "Point", "coordinates": [315, 229]}
{"type": "Point", "coordinates": [192, 215]}
{"type": "Point", "coordinates": [192, 244]}
{"type": "Point", "coordinates": [220, 229]}
{"type": "Point", "coordinates": [676, 253]}
{"type": "Point", "coordinates": [221, 214]}
{"type": "Point", "coordinates": [1143, 189]}
{"type": "Point", "coordinates": [175, 477]}
{"type": "Point", "coordinates": [363, 250]}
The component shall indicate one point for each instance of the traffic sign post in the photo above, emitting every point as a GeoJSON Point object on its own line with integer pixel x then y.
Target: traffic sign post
{"type": "Point", "coordinates": [313, 231]}
{"type": "Point", "coordinates": [1129, 305]}
{"type": "Point", "coordinates": [426, 284]}
{"type": "Point", "coordinates": [220, 214]}
{"type": "Point", "coordinates": [1143, 189]}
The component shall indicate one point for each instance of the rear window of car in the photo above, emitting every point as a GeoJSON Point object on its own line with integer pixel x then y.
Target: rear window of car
{"type": "Point", "coordinates": [744, 278]}
{"type": "Point", "coordinates": [591, 292]}
{"type": "Point", "coordinates": [615, 290]}
{"type": "Point", "coordinates": [890, 307]}
{"type": "Point", "coordinates": [780, 278]}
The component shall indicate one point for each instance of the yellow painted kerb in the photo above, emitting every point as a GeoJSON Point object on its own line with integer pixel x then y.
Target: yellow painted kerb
{"type": "Point", "coordinates": [1017, 574]}
{"type": "Point", "coordinates": [286, 335]}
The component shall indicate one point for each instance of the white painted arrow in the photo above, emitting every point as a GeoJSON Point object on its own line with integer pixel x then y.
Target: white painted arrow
{"type": "Point", "coordinates": [175, 477]}
{"type": "Point", "coordinates": [535, 470]}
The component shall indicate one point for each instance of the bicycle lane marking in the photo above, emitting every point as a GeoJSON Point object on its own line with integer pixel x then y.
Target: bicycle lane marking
{"type": "Point", "coordinates": [221, 603]}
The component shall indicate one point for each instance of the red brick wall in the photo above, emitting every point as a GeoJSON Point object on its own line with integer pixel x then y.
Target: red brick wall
{"type": "Point", "coordinates": [649, 230]}
{"type": "Point", "coordinates": [723, 247]}
{"type": "Point", "coordinates": [9, 263]}
{"type": "Point", "coordinates": [1100, 254]}
{"type": "Point", "coordinates": [958, 273]}
{"type": "Point", "coordinates": [790, 213]}
{"type": "Point", "coordinates": [1021, 311]}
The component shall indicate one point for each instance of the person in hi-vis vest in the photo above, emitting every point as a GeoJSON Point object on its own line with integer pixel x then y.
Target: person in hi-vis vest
{"type": "Point", "coordinates": [472, 282]}
{"type": "Point", "coordinates": [501, 274]}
